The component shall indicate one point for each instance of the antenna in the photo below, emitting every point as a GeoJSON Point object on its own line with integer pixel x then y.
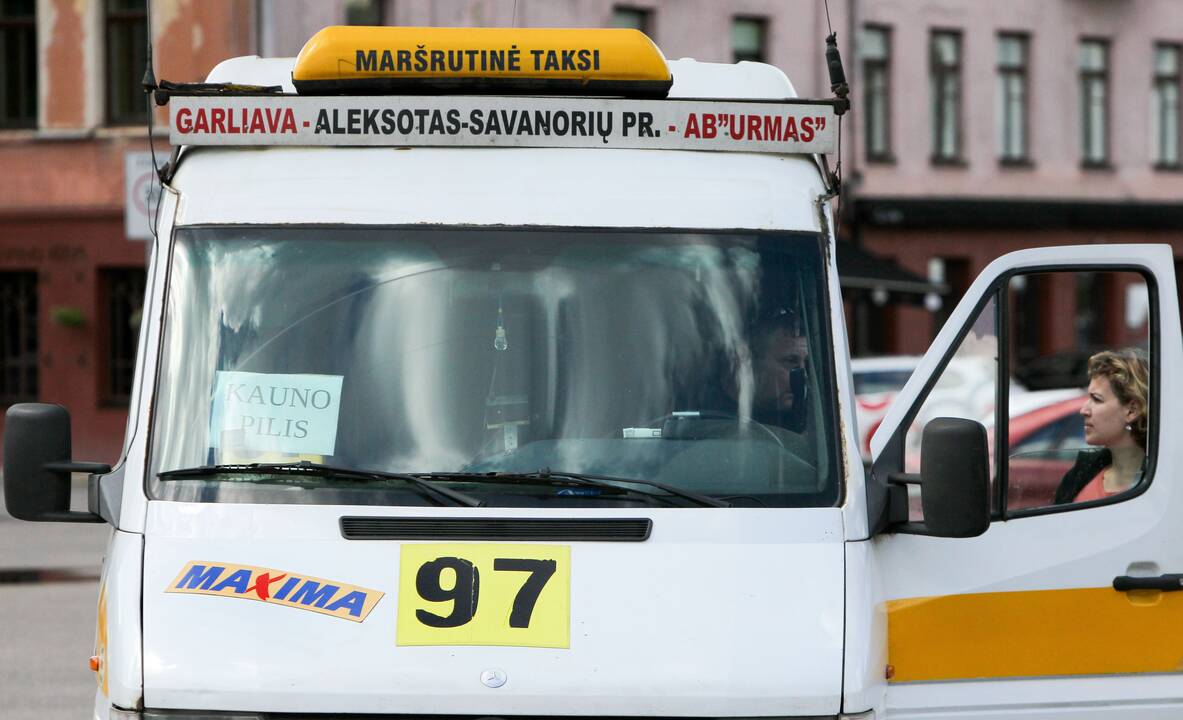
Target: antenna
{"type": "Point", "coordinates": [841, 90]}
{"type": "Point", "coordinates": [149, 83]}
{"type": "Point", "coordinates": [838, 84]}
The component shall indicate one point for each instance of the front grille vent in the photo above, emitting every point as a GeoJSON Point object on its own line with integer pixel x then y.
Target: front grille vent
{"type": "Point", "coordinates": [563, 529]}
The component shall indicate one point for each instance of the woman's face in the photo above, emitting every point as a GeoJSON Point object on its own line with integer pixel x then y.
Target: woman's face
{"type": "Point", "coordinates": [1105, 417]}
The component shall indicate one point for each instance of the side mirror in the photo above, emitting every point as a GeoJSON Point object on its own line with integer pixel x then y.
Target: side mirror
{"type": "Point", "coordinates": [37, 464]}
{"type": "Point", "coordinates": [955, 478]}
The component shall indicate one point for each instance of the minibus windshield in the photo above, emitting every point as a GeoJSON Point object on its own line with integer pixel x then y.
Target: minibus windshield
{"type": "Point", "coordinates": [514, 367]}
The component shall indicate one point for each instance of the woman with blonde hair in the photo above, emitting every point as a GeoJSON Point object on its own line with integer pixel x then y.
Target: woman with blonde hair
{"type": "Point", "coordinates": [1115, 422]}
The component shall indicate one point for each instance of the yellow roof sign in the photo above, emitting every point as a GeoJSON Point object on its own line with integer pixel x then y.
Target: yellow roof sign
{"type": "Point", "coordinates": [415, 60]}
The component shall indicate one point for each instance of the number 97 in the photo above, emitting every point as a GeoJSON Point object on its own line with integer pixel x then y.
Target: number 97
{"type": "Point", "coordinates": [464, 593]}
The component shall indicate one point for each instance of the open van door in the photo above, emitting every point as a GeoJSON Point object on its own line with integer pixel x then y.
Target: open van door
{"type": "Point", "coordinates": [1065, 606]}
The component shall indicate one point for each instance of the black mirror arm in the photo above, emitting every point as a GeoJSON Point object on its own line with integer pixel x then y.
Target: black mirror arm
{"type": "Point", "coordinates": [70, 466]}
{"type": "Point", "coordinates": [897, 500]}
{"type": "Point", "coordinates": [78, 516]}
{"type": "Point", "coordinates": [91, 468]}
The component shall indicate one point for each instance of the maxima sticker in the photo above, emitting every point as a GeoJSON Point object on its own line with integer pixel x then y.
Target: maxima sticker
{"type": "Point", "coordinates": [277, 587]}
{"type": "Point", "coordinates": [283, 413]}
{"type": "Point", "coordinates": [505, 122]}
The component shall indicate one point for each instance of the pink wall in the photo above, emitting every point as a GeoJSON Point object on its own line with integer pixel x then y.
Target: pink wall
{"type": "Point", "coordinates": [61, 190]}
{"type": "Point", "coordinates": [682, 28]}
{"type": "Point", "coordinates": [701, 29]}
{"type": "Point", "coordinates": [1055, 27]}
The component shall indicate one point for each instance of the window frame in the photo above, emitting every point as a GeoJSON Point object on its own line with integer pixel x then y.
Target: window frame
{"type": "Point", "coordinates": [761, 23]}
{"type": "Point", "coordinates": [878, 66]}
{"type": "Point", "coordinates": [999, 510]}
{"type": "Point", "coordinates": [1087, 79]}
{"type": "Point", "coordinates": [14, 26]}
{"type": "Point", "coordinates": [111, 20]}
{"type": "Point", "coordinates": [1159, 82]}
{"type": "Point", "coordinates": [645, 16]}
{"type": "Point", "coordinates": [379, 6]}
{"type": "Point", "coordinates": [937, 75]}
{"type": "Point", "coordinates": [1006, 74]}
{"type": "Point", "coordinates": [881, 495]}
{"type": "Point", "coordinates": [27, 357]}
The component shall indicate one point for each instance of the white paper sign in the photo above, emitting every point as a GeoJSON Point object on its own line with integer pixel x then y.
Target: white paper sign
{"type": "Point", "coordinates": [773, 127]}
{"type": "Point", "coordinates": [294, 414]}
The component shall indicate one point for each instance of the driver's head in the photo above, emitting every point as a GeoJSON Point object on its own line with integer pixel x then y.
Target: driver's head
{"type": "Point", "coordinates": [775, 355]}
{"type": "Point", "coordinates": [778, 348]}
{"type": "Point", "coordinates": [779, 353]}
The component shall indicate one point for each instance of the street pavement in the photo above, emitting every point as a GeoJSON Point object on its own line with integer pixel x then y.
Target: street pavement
{"type": "Point", "coordinates": [47, 619]}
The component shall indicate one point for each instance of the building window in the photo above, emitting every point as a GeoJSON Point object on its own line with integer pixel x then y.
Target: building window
{"type": "Point", "coordinates": [18, 64]}
{"type": "Point", "coordinates": [1012, 98]}
{"type": "Point", "coordinates": [1164, 113]}
{"type": "Point", "coordinates": [123, 300]}
{"type": "Point", "coordinates": [1094, 102]}
{"type": "Point", "coordinates": [365, 12]}
{"type": "Point", "coordinates": [18, 337]}
{"type": "Point", "coordinates": [126, 38]}
{"type": "Point", "coordinates": [748, 39]}
{"type": "Point", "coordinates": [876, 54]}
{"type": "Point", "coordinates": [944, 65]}
{"type": "Point", "coordinates": [634, 18]}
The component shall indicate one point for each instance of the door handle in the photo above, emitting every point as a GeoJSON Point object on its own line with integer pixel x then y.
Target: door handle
{"type": "Point", "coordinates": [1166, 583]}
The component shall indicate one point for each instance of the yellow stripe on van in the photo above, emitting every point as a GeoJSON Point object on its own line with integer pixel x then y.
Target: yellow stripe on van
{"type": "Point", "coordinates": [1040, 633]}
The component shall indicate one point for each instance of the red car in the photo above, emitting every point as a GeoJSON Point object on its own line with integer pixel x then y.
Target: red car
{"type": "Point", "coordinates": [1046, 433]}
{"type": "Point", "coordinates": [1044, 442]}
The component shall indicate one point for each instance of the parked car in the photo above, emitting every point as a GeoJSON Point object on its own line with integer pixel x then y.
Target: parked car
{"type": "Point", "coordinates": [966, 388]}
{"type": "Point", "coordinates": [876, 382]}
{"type": "Point", "coordinates": [1046, 432]}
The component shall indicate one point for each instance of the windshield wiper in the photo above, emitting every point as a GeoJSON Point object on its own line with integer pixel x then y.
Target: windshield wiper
{"type": "Point", "coordinates": [546, 475]}
{"type": "Point", "coordinates": [305, 467]}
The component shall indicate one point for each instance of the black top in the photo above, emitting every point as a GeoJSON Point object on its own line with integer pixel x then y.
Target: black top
{"type": "Point", "coordinates": [1088, 463]}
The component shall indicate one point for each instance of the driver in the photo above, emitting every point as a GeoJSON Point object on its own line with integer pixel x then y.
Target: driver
{"type": "Point", "coordinates": [760, 395]}
{"type": "Point", "coordinates": [768, 385]}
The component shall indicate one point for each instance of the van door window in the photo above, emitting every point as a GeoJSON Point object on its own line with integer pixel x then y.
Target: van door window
{"type": "Point", "coordinates": [1079, 410]}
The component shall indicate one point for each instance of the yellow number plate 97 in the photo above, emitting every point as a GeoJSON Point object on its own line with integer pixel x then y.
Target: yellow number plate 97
{"type": "Point", "coordinates": [456, 594]}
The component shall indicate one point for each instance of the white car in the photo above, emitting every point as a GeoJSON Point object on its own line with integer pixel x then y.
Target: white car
{"type": "Point", "coordinates": [965, 389]}
{"type": "Point", "coordinates": [876, 382]}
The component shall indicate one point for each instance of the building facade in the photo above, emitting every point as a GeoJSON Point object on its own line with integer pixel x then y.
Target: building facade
{"type": "Point", "coordinates": [977, 128]}
{"type": "Point", "coordinates": [982, 128]}
{"type": "Point", "coordinates": [72, 116]}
